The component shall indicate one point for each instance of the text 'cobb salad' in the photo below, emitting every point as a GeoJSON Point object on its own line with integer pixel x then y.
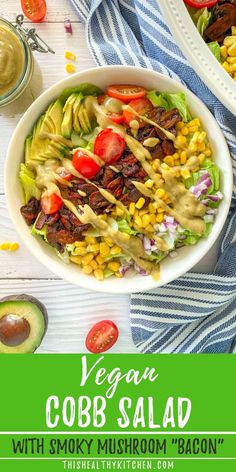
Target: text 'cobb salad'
{"type": "Point", "coordinates": [116, 180]}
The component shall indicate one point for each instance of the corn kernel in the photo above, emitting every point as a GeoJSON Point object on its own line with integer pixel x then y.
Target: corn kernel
{"type": "Point", "coordinates": [184, 131]}
{"type": "Point", "coordinates": [160, 210]}
{"type": "Point", "coordinates": [201, 158]}
{"type": "Point", "coordinates": [138, 220]}
{"type": "Point", "coordinates": [224, 52]}
{"type": "Point", "coordinates": [87, 259]}
{"type": "Point", "coordinates": [132, 208]}
{"type": "Point", "coordinates": [192, 147]}
{"type": "Point", "coordinates": [183, 157]}
{"type": "Point", "coordinates": [5, 246]}
{"type": "Point", "coordinates": [181, 140]}
{"type": "Point", "coordinates": [80, 251]}
{"type": "Point", "coordinates": [94, 264]}
{"type": "Point", "coordinates": [149, 183]}
{"type": "Point", "coordinates": [99, 274]}
{"type": "Point", "coordinates": [156, 165]}
{"type": "Point", "coordinates": [14, 246]}
{"type": "Point", "coordinates": [151, 208]}
{"type": "Point", "coordinates": [113, 266]}
{"type": "Point", "coordinates": [103, 217]}
{"type": "Point", "coordinates": [70, 68]}
{"type": "Point", "coordinates": [201, 147]}
{"type": "Point", "coordinates": [87, 269]}
{"type": "Point", "coordinates": [76, 259]}
{"type": "Point", "coordinates": [159, 217]}
{"type": "Point", "coordinates": [177, 174]}
{"type": "Point", "coordinates": [119, 211]}
{"type": "Point", "coordinates": [143, 212]}
{"type": "Point", "coordinates": [226, 66]}
{"type": "Point", "coordinates": [160, 193]}
{"type": "Point", "coordinates": [208, 152]}
{"type": "Point", "coordinates": [115, 250]}
{"type": "Point", "coordinates": [169, 160]}
{"type": "Point", "coordinates": [233, 30]}
{"type": "Point", "coordinates": [146, 219]}
{"type": "Point", "coordinates": [100, 260]}
{"type": "Point", "coordinates": [109, 241]}
{"type": "Point", "coordinates": [140, 203]}
{"type": "Point", "coordinates": [185, 173]}
{"type": "Point", "coordinates": [228, 41]}
{"type": "Point", "coordinates": [180, 125]}
{"type": "Point", "coordinates": [104, 249]}
{"type": "Point", "coordinates": [94, 247]}
{"type": "Point", "coordinates": [80, 243]}
{"type": "Point", "coordinates": [70, 56]}
{"type": "Point", "coordinates": [90, 240]}
{"type": "Point", "coordinates": [193, 129]}
{"type": "Point", "coordinates": [153, 219]}
{"type": "Point", "coordinates": [232, 49]}
{"type": "Point", "coordinates": [231, 60]}
{"type": "Point", "coordinates": [149, 228]}
{"type": "Point", "coordinates": [201, 136]}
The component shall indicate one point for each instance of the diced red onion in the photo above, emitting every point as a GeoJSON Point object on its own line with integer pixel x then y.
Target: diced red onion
{"type": "Point", "coordinates": [125, 266]}
{"type": "Point", "coordinates": [211, 211]}
{"type": "Point", "coordinates": [140, 270]}
{"type": "Point", "coordinates": [209, 218]}
{"type": "Point", "coordinates": [68, 26]}
{"type": "Point", "coordinates": [149, 245]}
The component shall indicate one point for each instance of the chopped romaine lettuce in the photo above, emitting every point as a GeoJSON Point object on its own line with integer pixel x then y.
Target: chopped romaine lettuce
{"type": "Point", "coordinates": [215, 49]}
{"type": "Point", "coordinates": [39, 232]}
{"type": "Point", "coordinates": [85, 89]}
{"type": "Point", "coordinates": [169, 101]}
{"type": "Point", "coordinates": [124, 227]}
{"type": "Point", "coordinates": [64, 256]}
{"type": "Point", "coordinates": [201, 19]}
{"type": "Point", "coordinates": [27, 180]}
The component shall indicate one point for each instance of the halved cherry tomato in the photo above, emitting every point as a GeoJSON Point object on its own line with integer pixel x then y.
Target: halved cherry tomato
{"type": "Point", "coordinates": [64, 174]}
{"type": "Point", "coordinates": [35, 10]}
{"type": "Point", "coordinates": [102, 336]}
{"type": "Point", "coordinates": [201, 3]}
{"type": "Point", "coordinates": [142, 106]}
{"type": "Point", "coordinates": [109, 146]}
{"type": "Point", "coordinates": [85, 164]}
{"type": "Point", "coordinates": [116, 117]}
{"type": "Point", "coordinates": [126, 92]}
{"type": "Point", "coordinates": [50, 203]}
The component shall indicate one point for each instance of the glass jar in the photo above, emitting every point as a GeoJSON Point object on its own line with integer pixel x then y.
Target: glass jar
{"type": "Point", "coordinates": [16, 58]}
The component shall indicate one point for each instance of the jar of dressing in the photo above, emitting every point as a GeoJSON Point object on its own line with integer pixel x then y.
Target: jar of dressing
{"type": "Point", "coordinates": [16, 58]}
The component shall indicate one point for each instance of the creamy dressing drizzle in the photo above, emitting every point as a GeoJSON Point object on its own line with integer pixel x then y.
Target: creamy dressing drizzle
{"type": "Point", "coordinates": [168, 134]}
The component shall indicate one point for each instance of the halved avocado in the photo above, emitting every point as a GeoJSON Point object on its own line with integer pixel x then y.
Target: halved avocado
{"type": "Point", "coordinates": [23, 324]}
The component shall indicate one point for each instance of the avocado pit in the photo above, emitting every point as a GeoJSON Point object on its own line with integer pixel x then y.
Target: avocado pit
{"type": "Point", "coordinates": [14, 330]}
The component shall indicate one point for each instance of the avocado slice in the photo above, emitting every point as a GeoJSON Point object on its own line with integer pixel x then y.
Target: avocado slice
{"type": "Point", "coordinates": [76, 107]}
{"type": "Point", "coordinates": [84, 120]}
{"type": "Point", "coordinates": [53, 118]}
{"type": "Point", "coordinates": [66, 127]}
{"type": "Point", "coordinates": [23, 324]}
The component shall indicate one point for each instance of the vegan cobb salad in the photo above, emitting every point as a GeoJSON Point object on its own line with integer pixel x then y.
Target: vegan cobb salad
{"type": "Point", "coordinates": [117, 180]}
{"type": "Point", "coordinates": [216, 22]}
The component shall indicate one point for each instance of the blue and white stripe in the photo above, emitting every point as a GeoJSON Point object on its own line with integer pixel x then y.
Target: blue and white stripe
{"type": "Point", "coordinates": [197, 312]}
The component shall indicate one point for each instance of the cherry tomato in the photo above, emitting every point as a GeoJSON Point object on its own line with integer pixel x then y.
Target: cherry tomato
{"type": "Point", "coordinates": [64, 174]}
{"type": "Point", "coordinates": [102, 336]}
{"type": "Point", "coordinates": [85, 164]}
{"type": "Point", "coordinates": [141, 106]}
{"type": "Point", "coordinates": [201, 3]}
{"type": "Point", "coordinates": [116, 117]}
{"type": "Point", "coordinates": [126, 92]}
{"type": "Point", "coordinates": [35, 10]}
{"type": "Point", "coordinates": [109, 146]}
{"type": "Point", "coordinates": [51, 203]}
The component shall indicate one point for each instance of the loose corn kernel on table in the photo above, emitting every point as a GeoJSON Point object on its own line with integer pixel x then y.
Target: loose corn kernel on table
{"type": "Point", "coordinates": [72, 311]}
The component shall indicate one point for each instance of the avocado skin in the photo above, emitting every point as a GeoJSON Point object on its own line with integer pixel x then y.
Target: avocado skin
{"type": "Point", "coordinates": [28, 299]}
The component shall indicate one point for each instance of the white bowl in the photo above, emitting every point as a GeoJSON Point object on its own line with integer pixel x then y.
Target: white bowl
{"type": "Point", "coordinates": [197, 52]}
{"type": "Point", "coordinates": [170, 268]}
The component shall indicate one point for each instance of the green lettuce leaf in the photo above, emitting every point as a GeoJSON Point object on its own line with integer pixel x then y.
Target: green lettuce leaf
{"type": "Point", "coordinates": [202, 19]}
{"type": "Point", "coordinates": [27, 180]}
{"type": "Point", "coordinates": [39, 232]}
{"type": "Point", "coordinates": [85, 89]}
{"type": "Point", "coordinates": [215, 49]}
{"type": "Point", "coordinates": [124, 227]}
{"type": "Point", "coordinates": [169, 101]}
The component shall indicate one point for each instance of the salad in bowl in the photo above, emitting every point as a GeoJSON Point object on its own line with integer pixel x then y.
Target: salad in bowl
{"type": "Point", "coordinates": [216, 22]}
{"type": "Point", "coordinates": [118, 179]}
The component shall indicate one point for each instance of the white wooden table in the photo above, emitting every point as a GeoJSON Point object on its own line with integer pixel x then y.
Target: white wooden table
{"type": "Point", "coordinates": [72, 311]}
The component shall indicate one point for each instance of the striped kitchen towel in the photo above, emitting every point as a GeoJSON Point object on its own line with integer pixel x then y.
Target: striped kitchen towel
{"type": "Point", "coordinates": [197, 312]}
